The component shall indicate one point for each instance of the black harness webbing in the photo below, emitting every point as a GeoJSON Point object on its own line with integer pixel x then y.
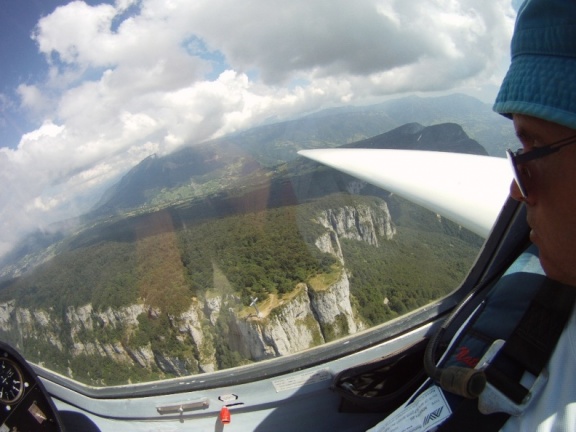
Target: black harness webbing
{"type": "Point", "coordinates": [528, 349]}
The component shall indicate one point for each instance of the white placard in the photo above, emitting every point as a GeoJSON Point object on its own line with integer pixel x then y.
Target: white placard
{"type": "Point", "coordinates": [424, 414]}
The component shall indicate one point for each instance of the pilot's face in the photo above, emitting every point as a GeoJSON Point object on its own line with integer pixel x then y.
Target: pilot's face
{"type": "Point", "coordinates": [550, 184]}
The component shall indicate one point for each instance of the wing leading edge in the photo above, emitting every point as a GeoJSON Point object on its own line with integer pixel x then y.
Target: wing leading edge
{"type": "Point", "coordinates": [468, 189]}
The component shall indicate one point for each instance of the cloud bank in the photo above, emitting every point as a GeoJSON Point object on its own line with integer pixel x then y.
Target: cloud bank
{"type": "Point", "coordinates": [141, 77]}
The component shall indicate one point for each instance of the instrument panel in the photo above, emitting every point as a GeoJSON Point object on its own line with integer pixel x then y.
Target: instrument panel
{"type": "Point", "coordinates": [24, 403]}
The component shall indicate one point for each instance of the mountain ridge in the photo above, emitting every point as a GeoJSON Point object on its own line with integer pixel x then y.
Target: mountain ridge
{"type": "Point", "coordinates": [191, 166]}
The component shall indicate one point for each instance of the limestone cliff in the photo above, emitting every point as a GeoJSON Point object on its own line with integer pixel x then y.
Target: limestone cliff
{"type": "Point", "coordinates": [360, 222]}
{"type": "Point", "coordinates": [333, 310]}
{"type": "Point", "coordinates": [308, 319]}
{"type": "Point", "coordinates": [288, 328]}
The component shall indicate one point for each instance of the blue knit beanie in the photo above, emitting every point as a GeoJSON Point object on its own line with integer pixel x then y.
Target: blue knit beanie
{"type": "Point", "coordinates": [541, 81]}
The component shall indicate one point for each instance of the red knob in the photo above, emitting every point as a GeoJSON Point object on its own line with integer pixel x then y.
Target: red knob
{"type": "Point", "coordinates": [225, 415]}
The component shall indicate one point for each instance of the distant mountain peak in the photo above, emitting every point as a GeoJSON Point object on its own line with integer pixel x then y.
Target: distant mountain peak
{"type": "Point", "coordinates": [447, 137]}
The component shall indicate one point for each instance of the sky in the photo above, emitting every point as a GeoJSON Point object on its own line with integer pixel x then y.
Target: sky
{"type": "Point", "coordinates": [90, 88]}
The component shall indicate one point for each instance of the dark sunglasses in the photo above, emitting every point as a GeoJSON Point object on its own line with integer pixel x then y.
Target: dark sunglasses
{"type": "Point", "coordinates": [520, 157]}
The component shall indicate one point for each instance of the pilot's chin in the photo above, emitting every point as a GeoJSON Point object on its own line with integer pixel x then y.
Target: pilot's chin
{"type": "Point", "coordinates": [550, 269]}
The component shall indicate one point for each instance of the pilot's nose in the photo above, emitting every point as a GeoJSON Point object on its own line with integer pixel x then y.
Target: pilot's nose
{"type": "Point", "coordinates": [515, 192]}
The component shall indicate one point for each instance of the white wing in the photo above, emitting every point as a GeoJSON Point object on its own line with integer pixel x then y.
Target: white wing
{"type": "Point", "coordinates": [468, 189]}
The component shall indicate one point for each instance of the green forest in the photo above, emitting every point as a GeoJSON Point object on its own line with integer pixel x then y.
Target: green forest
{"type": "Point", "coordinates": [242, 256]}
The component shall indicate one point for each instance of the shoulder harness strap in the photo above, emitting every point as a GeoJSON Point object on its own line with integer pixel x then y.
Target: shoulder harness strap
{"type": "Point", "coordinates": [528, 349]}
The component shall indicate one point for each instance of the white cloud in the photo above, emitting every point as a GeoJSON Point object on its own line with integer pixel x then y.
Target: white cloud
{"type": "Point", "coordinates": [78, 34]}
{"type": "Point", "coordinates": [32, 99]}
{"type": "Point", "coordinates": [141, 77]}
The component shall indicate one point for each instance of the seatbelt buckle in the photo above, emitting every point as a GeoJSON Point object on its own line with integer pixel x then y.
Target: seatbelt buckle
{"type": "Point", "coordinates": [492, 400]}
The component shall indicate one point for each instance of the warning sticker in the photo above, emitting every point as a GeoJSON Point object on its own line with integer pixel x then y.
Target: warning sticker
{"type": "Point", "coordinates": [301, 380]}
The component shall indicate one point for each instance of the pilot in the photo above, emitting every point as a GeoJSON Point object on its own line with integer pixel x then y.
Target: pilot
{"type": "Point", "coordinates": [539, 95]}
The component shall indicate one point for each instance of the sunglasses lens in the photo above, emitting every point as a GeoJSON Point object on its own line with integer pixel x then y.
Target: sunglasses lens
{"type": "Point", "coordinates": [517, 178]}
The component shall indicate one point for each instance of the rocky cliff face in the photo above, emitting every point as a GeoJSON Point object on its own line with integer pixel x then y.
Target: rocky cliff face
{"type": "Point", "coordinates": [306, 318]}
{"type": "Point", "coordinates": [289, 328]}
{"type": "Point", "coordinates": [309, 319]}
{"type": "Point", "coordinates": [333, 310]}
{"type": "Point", "coordinates": [361, 223]}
